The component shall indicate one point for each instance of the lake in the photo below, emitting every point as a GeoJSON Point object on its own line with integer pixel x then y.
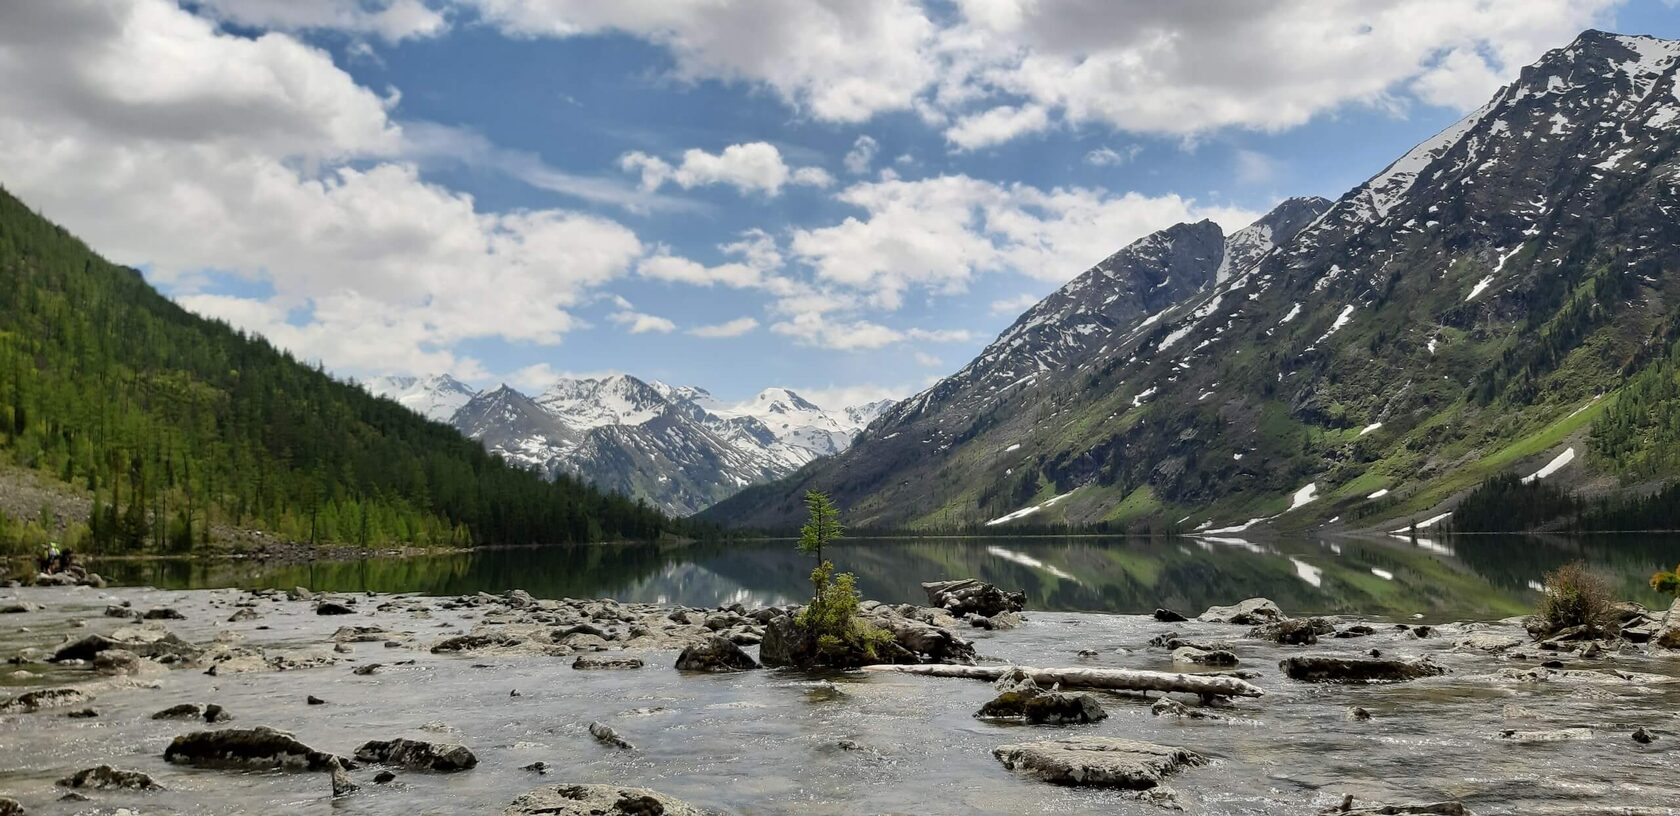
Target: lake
{"type": "Point", "coordinates": [1465, 577]}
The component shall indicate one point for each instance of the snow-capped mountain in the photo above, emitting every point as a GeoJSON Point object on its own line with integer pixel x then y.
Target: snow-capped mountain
{"type": "Point", "coordinates": [437, 397]}
{"type": "Point", "coordinates": [676, 446]}
{"type": "Point", "coordinates": [1459, 315]}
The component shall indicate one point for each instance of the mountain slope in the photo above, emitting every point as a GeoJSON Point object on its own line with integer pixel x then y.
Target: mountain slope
{"type": "Point", "coordinates": [673, 446]}
{"type": "Point", "coordinates": [1454, 316]}
{"type": "Point", "coordinates": [177, 424]}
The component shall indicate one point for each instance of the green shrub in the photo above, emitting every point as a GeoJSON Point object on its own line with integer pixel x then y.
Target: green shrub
{"type": "Point", "coordinates": [1577, 596]}
{"type": "Point", "coordinates": [831, 619]}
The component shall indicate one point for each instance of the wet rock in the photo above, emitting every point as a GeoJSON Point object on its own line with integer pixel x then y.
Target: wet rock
{"type": "Point", "coordinates": [383, 777]}
{"type": "Point", "coordinates": [419, 755]}
{"type": "Point", "coordinates": [333, 608]}
{"type": "Point", "coordinates": [598, 800]}
{"type": "Point", "coordinates": [367, 669]}
{"type": "Point", "coordinates": [595, 662]}
{"type": "Point", "coordinates": [1643, 737]}
{"type": "Point", "coordinates": [106, 777]}
{"type": "Point", "coordinates": [144, 641]}
{"type": "Point", "coordinates": [214, 714]}
{"type": "Point", "coordinates": [1293, 631]}
{"type": "Point", "coordinates": [32, 701]}
{"type": "Point", "coordinates": [1356, 630]}
{"type": "Point", "coordinates": [605, 735]}
{"type": "Point", "coordinates": [82, 714]}
{"type": "Point", "coordinates": [1168, 707]}
{"type": "Point", "coordinates": [1169, 616]}
{"type": "Point", "coordinates": [341, 782]}
{"type": "Point", "coordinates": [918, 641]}
{"type": "Point", "coordinates": [361, 634]}
{"type": "Point", "coordinates": [18, 608]}
{"type": "Point", "coordinates": [1432, 809]}
{"type": "Point", "coordinates": [1332, 669]}
{"type": "Point", "coordinates": [244, 613]}
{"type": "Point", "coordinates": [474, 642]}
{"type": "Point", "coordinates": [970, 595]}
{"type": "Point", "coordinates": [118, 661]}
{"type": "Point", "coordinates": [121, 611]}
{"type": "Point", "coordinates": [1358, 714]}
{"type": "Point", "coordinates": [163, 613]}
{"type": "Point", "coordinates": [539, 767]}
{"type": "Point", "coordinates": [1488, 643]}
{"type": "Point", "coordinates": [1203, 657]}
{"type": "Point", "coordinates": [259, 747]}
{"type": "Point", "coordinates": [715, 654]}
{"type": "Point", "coordinates": [184, 711]}
{"type": "Point", "coordinates": [1058, 708]}
{"type": "Point", "coordinates": [10, 807]}
{"type": "Point", "coordinates": [1251, 612]}
{"type": "Point", "coordinates": [1097, 761]}
{"type": "Point", "coordinates": [313, 700]}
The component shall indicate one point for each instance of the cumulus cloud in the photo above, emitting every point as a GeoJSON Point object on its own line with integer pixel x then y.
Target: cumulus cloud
{"type": "Point", "coordinates": [392, 20]}
{"type": "Point", "coordinates": [1014, 305]}
{"type": "Point", "coordinates": [642, 323]}
{"type": "Point", "coordinates": [1004, 68]}
{"type": "Point", "coordinates": [751, 167]}
{"type": "Point", "coordinates": [1109, 157]}
{"type": "Point", "coordinates": [166, 142]}
{"type": "Point", "coordinates": [732, 328]}
{"type": "Point", "coordinates": [862, 155]}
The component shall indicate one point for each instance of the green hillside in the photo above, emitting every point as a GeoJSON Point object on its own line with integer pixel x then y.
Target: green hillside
{"type": "Point", "coordinates": [180, 428]}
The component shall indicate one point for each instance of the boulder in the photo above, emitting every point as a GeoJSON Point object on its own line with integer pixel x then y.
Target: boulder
{"type": "Point", "coordinates": [342, 785]}
{"type": "Point", "coordinates": [32, 701]}
{"type": "Point", "coordinates": [970, 595]}
{"type": "Point", "coordinates": [1251, 612]}
{"type": "Point", "coordinates": [10, 807]}
{"type": "Point", "coordinates": [1335, 669]}
{"type": "Point", "coordinates": [597, 662]}
{"type": "Point", "coordinates": [143, 641]}
{"type": "Point", "coordinates": [245, 613]}
{"type": "Point", "coordinates": [1293, 631]}
{"type": "Point", "coordinates": [106, 777]}
{"type": "Point", "coordinates": [259, 747]}
{"type": "Point", "coordinates": [183, 711]}
{"type": "Point", "coordinates": [715, 654]}
{"type": "Point", "coordinates": [597, 800]}
{"type": "Point", "coordinates": [1557, 735]}
{"type": "Point", "coordinates": [606, 735]}
{"type": "Point", "coordinates": [469, 643]}
{"type": "Point", "coordinates": [163, 613]}
{"type": "Point", "coordinates": [1060, 707]}
{"type": "Point", "coordinates": [1169, 616]}
{"type": "Point", "coordinates": [919, 641]}
{"type": "Point", "coordinates": [333, 608]}
{"type": "Point", "coordinates": [1431, 809]}
{"type": "Point", "coordinates": [418, 755]}
{"type": "Point", "coordinates": [118, 661]}
{"type": "Point", "coordinates": [1203, 657]}
{"type": "Point", "coordinates": [1097, 761]}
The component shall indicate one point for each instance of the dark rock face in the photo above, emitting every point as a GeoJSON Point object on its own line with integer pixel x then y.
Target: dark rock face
{"type": "Point", "coordinates": [183, 711]}
{"type": "Point", "coordinates": [716, 654]}
{"type": "Point", "coordinates": [1097, 762]}
{"type": "Point", "coordinates": [1058, 708]}
{"type": "Point", "coordinates": [1169, 616]}
{"type": "Point", "coordinates": [259, 747]}
{"type": "Point", "coordinates": [598, 800]}
{"type": "Point", "coordinates": [969, 596]}
{"type": "Point", "coordinates": [418, 755]}
{"type": "Point", "coordinates": [1293, 631]}
{"type": "Point", "coordinates": [1327, 669]}
{"type": "Point", "coordinates": [105, 777]}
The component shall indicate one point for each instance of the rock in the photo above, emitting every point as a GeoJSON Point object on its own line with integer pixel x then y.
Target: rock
{"type": "Point", "coordinates": [1169, 616]}
{"type": "Point", "coordinates": [163, 613]}
{"type": "Point", "coordinates": [10, 807]}
{"type": "Point", "coordinates": [1489, 643]}
{"type": "Point", "coordinates": [1432, 809]}
{"type": "Point", "coordinates": [245, 613]}
{"type": "Point", "coordinates": [1331, 669]}
{"type": "Point", "coordinates": [120, 611]}
{"type": "Point", "coordinates": [593, 662]}
{"type": "Point", "coordinates": [360, 634]}
{"type": "Point", "coordinates": [1558, 735]}
{"type": "Point", "coordinates": [418, 755]}
{"type": "Point", "coordinates": [32, 701]}
{"type": "Point", "coordinates": [1203, 657]}
{"type": "Point", "coordinates": [313, 700]}
{"type": "Point", "coordinates": [118, 661]}
{"type": "Point", "coordinates": [597, 800]}
{"type": "Point", "coordinates": [1251, 612]}
{"type": "Point", "coordinates": [1643, 737]}
{"type": "Point", "coordinates": [367, 670]}
{"type": "Point", "coordinates": [1358, 714]}
{"type": "Point", "coordinates": [1293, 631]}
{"type": "Point", "coordinates": [106, 777]}
{"type": "Point", "coordinates": [17, 608]}
{"type": "Point", "coordinates": [538, 767]}
{"type": "Point", "coordinates": [715, 654]}
{"type": "Point", "coordinates": [969, 595]}
{"type": "Point", "coordinates": [383, 777]}
{"type": "Point", "coordinates": [605, 734]}
{"type": "Point", "coordinates": [470, 643]}
{"type": "Point", "coordinates": [214, 714]}
{"type": "Point", "coordinates": [145, 641]}
{"type": "Point", "coordinates": [1097, 761]}
{"type": "Point", "coordinates": [333, 608]}
{"type": "Point", "coordinates": [82, 714]}
{"type": "Point", "coordinates": [1356, 630]}
{"type": "Point", "coordinates": [184, 711]}
{"type": "Point", "coordinates": [259, 747]}
{"type": "Point", "coordinates": [300, 594]}
{"type": "Point", "coordinates": [341, 783]}
{"type": "Point", "coordinates": [1057, 708]}
{"type": "Point", "coordinates": [1167, 706]}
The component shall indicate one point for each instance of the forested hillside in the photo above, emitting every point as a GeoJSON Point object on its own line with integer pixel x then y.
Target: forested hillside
{"type": "Point", "coordinates": [181, 426]}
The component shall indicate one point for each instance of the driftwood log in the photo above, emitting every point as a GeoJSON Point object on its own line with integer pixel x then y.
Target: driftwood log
{"type": "Point", "coordinates": [1111, 679]}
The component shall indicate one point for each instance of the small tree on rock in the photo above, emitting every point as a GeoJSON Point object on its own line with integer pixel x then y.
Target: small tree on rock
{"type": "Point", "coordinates": [823, 527]}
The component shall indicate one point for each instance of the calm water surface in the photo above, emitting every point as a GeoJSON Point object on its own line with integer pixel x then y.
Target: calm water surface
{"type": "Point", "coordinates": [1471, 577]}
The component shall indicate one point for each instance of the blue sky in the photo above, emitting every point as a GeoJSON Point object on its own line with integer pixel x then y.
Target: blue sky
{"type": "Point", "coordinates": [847, 199]}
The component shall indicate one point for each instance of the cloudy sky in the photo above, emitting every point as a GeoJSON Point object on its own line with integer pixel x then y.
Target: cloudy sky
{"type": "Point", "coordinates": [848, 197]}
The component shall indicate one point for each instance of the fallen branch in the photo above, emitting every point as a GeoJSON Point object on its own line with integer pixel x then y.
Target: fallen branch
{"type": "Point", "coordinates": [1111, 679]}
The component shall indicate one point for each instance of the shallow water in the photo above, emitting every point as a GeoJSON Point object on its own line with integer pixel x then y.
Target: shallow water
{"type": "Point", "coordinates": [766, 742]}
{"type": "Point", "coordinates": [1473, 577]}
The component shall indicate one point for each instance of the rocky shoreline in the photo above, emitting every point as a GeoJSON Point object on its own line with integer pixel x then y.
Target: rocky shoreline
{"type": "Point", "coordinates": [1193, 671]}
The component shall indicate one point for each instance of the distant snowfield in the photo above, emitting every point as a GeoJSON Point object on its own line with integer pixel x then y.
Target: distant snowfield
{"type": "Point", "coordinates": [1557, 464]}
{"type": "Point", "coordinates": [1027, 511]}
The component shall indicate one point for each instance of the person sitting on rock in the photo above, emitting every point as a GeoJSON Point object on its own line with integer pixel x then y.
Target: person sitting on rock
{"type": "Point", "coordinates": [50, 558]}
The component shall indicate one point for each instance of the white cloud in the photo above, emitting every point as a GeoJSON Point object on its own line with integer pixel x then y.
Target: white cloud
{"type": "Point", "coordinates": [732, 328]}
{"type": "Point", "coordinates": [1015, 305]}
{"type": "Point", "coordinates": [1254, 167]}
{"type": "Point", "coordinates": [998, 66]}
{"type": "Point", "coordinates": [391, 20]}
{"type": "Point", "coordinates": [862, 155]}
{"type": "Point", "coordinates": [928, 360]}
{"type": "Point", "coordinates": [996, 126]}
{"type": "Point", "coordinates": [1109, 157]}
{"type": "Point", "coordinates": [837, 397]}
{"type": "Point", "coordinates": [751, 167]}
{"type": "Point", "coordinates": [166, 142]}
{"type": "Point", "coordinates": [642, 323]}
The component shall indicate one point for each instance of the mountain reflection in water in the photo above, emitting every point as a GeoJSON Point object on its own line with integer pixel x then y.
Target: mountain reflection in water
{"type": "Point", "coordinates": [1464, 577]}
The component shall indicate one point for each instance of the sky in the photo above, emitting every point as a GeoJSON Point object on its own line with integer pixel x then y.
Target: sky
{"type": "Point", "coordinates": [846, 198]}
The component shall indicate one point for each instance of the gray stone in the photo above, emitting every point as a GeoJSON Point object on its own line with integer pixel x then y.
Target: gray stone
{"type": "Point", "coordinates": [258, 747]}
{"type": "Point", "coordinates": [598, 800]}
{"type": "Point", "coordinates": [1332, 669]}
{"type": "Point", "coordinates": [106, 777]}
{"type": "Point", "coordinates": [1097, 761]}
{"type": "Point", "coordinates": [419, 755]}
{"type": "Point", "coordinates": [715, 654]}
{"type": "Point", "coordinates": [1251, 612]}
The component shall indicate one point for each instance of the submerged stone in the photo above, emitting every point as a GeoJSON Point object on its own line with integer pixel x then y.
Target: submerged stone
{"type": "Point", "coordinates": [1097, 761]}
{"type": "Point", "coordinates": [598, 800]}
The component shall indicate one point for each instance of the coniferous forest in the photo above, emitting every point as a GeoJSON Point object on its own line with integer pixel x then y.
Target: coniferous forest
{"type": "Point", "coordinates": [181, 426]}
